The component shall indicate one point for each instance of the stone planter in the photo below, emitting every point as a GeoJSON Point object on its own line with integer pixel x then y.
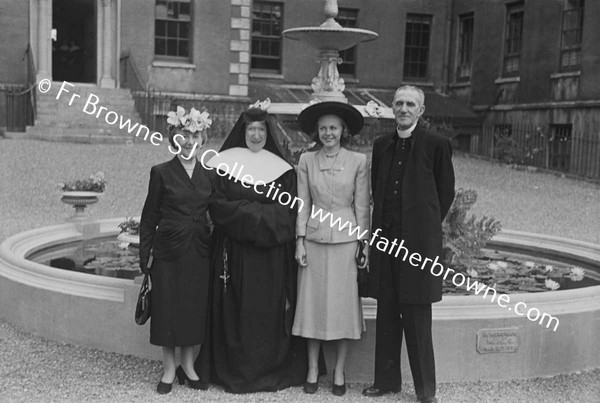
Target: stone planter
{"type": "Point", "coordinates": [80, 200]}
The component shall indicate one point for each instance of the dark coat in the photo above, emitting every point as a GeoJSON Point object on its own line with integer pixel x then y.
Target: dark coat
{"type": "Point", "coordinates": [174, 217]}
{"type": "Point", "coordinates": [427, 193]}
{"type": "Point", "coordinates": [174, 224]}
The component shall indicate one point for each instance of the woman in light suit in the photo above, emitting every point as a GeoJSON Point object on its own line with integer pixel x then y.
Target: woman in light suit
{"type": "Point", "coordinates": [333, 183]}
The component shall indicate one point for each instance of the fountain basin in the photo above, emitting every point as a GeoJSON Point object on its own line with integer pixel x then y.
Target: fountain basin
{"type": "Point", "coordinates": [330, 38]}
{"type": "Point", "coordinates": [473, 337]}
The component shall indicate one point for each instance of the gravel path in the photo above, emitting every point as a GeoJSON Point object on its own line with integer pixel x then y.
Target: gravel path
{"type": "Point", "coordinates": [35, 369]}
{"type": "Point", "coordinates": [532, 201]}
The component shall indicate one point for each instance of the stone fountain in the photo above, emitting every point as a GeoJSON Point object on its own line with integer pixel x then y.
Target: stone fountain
{"type": "Point", "coordinates": [330, 37]}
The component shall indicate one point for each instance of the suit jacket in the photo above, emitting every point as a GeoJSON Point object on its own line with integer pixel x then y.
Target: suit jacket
{"type": "Point", "coordinates": [174, 215]}
{"type": "Point", "coordinates": [333, 190]}
{"type": "Point", "coordinates": [427, 194]}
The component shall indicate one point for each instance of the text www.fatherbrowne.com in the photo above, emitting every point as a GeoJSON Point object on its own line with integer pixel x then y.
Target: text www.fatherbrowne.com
{"type": "Point", "coordinates": [92, 107]}
{"type": "Point", "coordinates": [437, 269]}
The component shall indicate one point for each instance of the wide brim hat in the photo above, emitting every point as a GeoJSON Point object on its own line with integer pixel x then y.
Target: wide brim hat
{"type": "Point", "coordinates": [350, 115]}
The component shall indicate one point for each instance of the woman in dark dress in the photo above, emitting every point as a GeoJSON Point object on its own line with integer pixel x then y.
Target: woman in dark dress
{"type": "Point", "coordinates": [175, 236]}
{"type": "Point", "coordinates": [254, 293]}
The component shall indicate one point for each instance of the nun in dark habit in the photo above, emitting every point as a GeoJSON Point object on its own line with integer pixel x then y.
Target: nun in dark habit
{"type": "Point", "coordinates": [250, 347]}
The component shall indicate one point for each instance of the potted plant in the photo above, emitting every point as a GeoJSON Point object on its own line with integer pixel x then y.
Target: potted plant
{"type": "Point", "coordinates": [80, 193]}
{"type": "Point", "coordinates": [130, 232]}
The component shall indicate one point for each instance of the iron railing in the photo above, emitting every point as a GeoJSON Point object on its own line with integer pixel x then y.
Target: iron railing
{"type": "Point", "coordinates": [20, 99]}
{"type": "Point", "coordinates": [153, 106]}
{"type": "Point", "coordinates": [556, 147]}
{"type": "Point", "coordinates": [129, 74]}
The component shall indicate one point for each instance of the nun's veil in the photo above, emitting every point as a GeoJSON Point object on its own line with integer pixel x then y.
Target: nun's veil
{"type": "Point", "coordinates": [237, 136]}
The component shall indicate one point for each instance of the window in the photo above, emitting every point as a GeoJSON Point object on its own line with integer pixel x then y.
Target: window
{"type": "Point", "coordinates": [513, 39]}
{"type": "Point", "coordinates": [572, 29]}
{"type": "Point", "coordinates": [560, 146]}
{"type": "Point", "coordinates": [348, 17]}
{"type": "Point", "coordinates": [172, 28]}
{"type": "Point", "coordinates": [416, 46]}
{"type": "Point", "coordinates": [267, 23]}
{"type": "Point", "coordinates": [465, 47]}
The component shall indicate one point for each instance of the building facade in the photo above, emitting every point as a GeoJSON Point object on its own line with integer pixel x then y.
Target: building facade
{"type": "Point", "coordinates": [529, 68]}
{"type": "Point", "coordinates": [520, 65]}
{"type": "Point", "coordinates": [217, 46]}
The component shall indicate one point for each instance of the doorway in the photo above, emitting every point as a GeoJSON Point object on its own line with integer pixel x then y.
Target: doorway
{"type": "Point", "coordinates": [74, 56]}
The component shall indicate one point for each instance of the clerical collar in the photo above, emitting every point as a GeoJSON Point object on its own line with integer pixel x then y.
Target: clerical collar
{"type": "Point", "coordinates": [405, 133]}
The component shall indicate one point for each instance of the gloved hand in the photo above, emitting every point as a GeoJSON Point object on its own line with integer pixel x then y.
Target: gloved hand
{"type": "Point", "coordinates": [144, 266]}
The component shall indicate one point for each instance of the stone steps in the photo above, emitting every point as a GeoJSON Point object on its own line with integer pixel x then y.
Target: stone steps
{"type": "Point", "coordinates": [79, 88]}
{"type": "Point", "coordinates": [92, 124]}
{"type": "Point", "coordinates": [51, 119]}
{"type": "Point", "coordinates": [56, 120]}
{"type": "Point", "coordinates": [77, 135]}
{"type": "Point", "coordinates": [79, 106]}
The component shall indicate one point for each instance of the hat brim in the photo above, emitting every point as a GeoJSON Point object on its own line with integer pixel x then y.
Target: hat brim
{"type": "Point", "coordinates": [350, 115]}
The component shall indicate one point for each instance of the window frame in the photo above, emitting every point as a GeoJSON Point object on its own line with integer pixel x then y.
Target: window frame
{"type": "Point", "coordinates": [461, 44]}
{"type": "Point", "coordinates": [425, 20]}
{"type": "Point", "coordinates": [266, 38]}
{"type": "Point", "coordinates": [510, 41]}
{"type": "Point", "coordinates": [175, 58]}
{"type": "Point", "coordinates": [349, 56]}
{"type": "Point", "coordinates": [574, 49]}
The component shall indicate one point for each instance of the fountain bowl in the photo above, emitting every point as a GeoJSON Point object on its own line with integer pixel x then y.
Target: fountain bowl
{"type": "Point", "coordinates": [330, 38]}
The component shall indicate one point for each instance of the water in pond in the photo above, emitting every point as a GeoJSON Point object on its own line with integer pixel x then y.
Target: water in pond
{"type": "Point", "coordinates": [506, 272]}
{"type": "Point", "coordinates": [511, 273]}
{"type": "Point", "coordinates": [100, 256]}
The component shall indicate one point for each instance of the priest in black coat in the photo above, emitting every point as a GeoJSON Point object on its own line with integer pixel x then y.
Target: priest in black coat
{"type": "Point", "coordinates": [412, 180]}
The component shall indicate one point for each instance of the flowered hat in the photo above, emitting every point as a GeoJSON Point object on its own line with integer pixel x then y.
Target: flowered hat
{"type": "Point", "coordinates": [193, 121]}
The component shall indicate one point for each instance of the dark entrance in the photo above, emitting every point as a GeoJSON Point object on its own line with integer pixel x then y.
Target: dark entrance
{"type": "Point", "coordinates": [74, 50]}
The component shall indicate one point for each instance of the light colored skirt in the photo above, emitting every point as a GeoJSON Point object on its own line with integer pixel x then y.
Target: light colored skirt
{"type": "Point", "coordinates": [328, 306]}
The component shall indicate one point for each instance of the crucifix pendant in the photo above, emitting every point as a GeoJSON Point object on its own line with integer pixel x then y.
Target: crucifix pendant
{"type": "Point", "coordinates": [225, 278]}
{"type": "Point", "coordinates": [225, 275]}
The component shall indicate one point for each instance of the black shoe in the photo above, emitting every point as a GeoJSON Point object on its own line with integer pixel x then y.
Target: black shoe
{"type": "Point", "coordinates": [164, 388]}
{"type": "Point", "coordinates": [194, 384]}
{"type": "Point", "coordinates": [339, 390]}
{"type": "Point", "coordinates": [374, 391]}
{"type": "Point", "coordinates": [311, 387]}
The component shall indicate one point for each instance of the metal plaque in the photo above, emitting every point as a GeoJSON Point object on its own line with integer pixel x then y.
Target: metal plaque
{"type": "Point", "coordinates": [502, 340]}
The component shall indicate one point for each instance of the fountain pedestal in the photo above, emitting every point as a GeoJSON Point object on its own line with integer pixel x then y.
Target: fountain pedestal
{"type": "Point", "coordinates": [330, 37]}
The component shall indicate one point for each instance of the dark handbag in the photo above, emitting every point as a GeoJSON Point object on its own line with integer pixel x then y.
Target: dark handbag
{"type": "Point", "coordinates": [363, 270]}
{"type": "Point", "coordinates": [142, 308]}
